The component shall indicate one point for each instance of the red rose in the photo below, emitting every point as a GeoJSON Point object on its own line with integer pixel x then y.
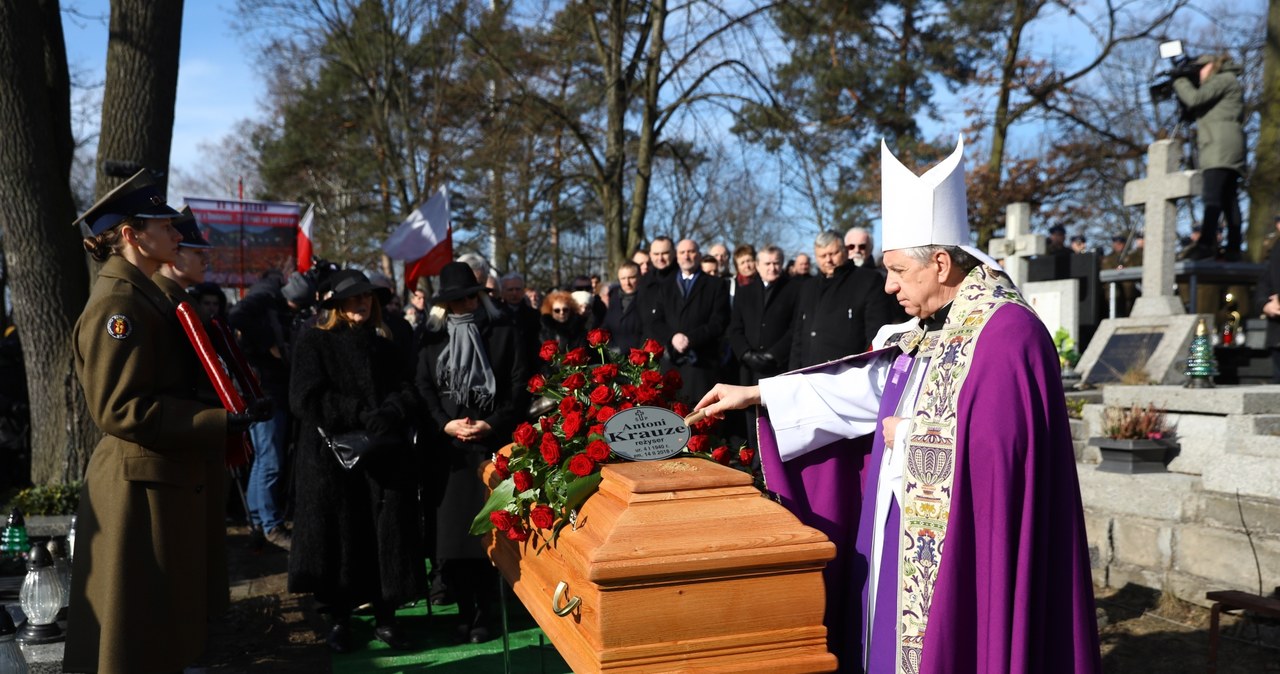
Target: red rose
{"type": "Point", "coordinates": [650, 378]}
{"type": "Point", "coordinates": [648, 395]}
{"type": "Point", "coordinates": [638, 357]}
{"type": "Point", "coordinates": [605, 413]}
{"type": "Point", "coordinates": [503, 520]}
{"type": "Point", "coordinates": [745, 455]}
{"type": "Point", "coordinates": [537, 384]}
{"type": "Point", "coordinates": [545, 424]}
{"type": "Point", "coordinates": [721, 454]}
{"type": "Point", "coordinates": [706, 425]}
{"type": "Point", "coordinates": [518, 533]}
{"type": "Point", "coordinates": [569, 405]}
{"type": "Point", "coordinates": [601, 395]}
{"type": "Point", "coordinates": [550, 449]}
{"type": "Point", "coordinates": [598, 450]}
{"type": "Point", "coordinates": [672, 379]}
{"type": "Point", "coordinates": [500, 465]}
{"type": "Point", "coordinates": [523, 480]}
{"type": "Point", "coordinates": [680, 408]}
{"type": "Point", "coordinates": [597, 337]}
{"type": "Point", "coordinates": [571, 425]}
{"type": "Point", "coordinates": [650, 346]}
{"type": "Point", "coordinates": [598, 429]}
{"type": "Point", "coordinates": [549, 349]}
{"type": "Point", "coordinates": [626, 406]}
{"type": "Point", "coordinates": [627, 391]}
{"type": "Point", "coordinates": [576, 357]}
{"type": "Point", "coordinates": [604, 374]}
{"type": "Point", "coordinates": [542, 516]}
{"type": "Point", "coordinates": [525, 436]}
{"type": "Point", "coordinates": [581, 465]}
{"type": "Point", "coordinates": [575, 381]}
{"type": "Point", "coordinates": [698, 443]}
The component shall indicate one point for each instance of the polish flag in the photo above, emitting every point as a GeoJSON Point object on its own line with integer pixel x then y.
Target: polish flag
{"type": "Point", "coordinates": [304, 240]}
{"type": "Point", "coordinates": [424, 240]}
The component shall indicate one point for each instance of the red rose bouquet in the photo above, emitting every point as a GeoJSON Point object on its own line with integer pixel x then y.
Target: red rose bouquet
{"type": "Point", "coordinates": [554, 465]}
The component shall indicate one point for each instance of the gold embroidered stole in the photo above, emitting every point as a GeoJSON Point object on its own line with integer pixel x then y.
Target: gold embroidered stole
{"type": "Point", "coordinates": [929, 462]}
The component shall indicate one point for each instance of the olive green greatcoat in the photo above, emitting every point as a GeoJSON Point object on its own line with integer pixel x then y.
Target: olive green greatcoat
{"type": "Point", "coordinates": [139, 584]}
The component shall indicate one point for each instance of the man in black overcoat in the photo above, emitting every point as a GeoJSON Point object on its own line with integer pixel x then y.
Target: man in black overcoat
{"type": "Point", "coordinates": [840, 311]}
{"type": "Point", "coordinates": [760, 327]}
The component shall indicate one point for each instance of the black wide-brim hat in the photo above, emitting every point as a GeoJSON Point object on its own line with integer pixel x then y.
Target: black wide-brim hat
{"type": "Point", "coordinates": [137, 197]}
{"type": "Point", "coordinates": [346, 283]}
{"type": "Point", "coordinates": [456, 282]}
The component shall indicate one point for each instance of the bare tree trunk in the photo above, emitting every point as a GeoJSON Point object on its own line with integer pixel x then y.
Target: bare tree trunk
{"type": "Point", "coordinates": [46, 264]}
{"type": "Point", "coordinates": [620, 250]}
{"type": "Point", "coordinates": [1264, 184]}
{"type": "Point", "coordinates": [141, 86]}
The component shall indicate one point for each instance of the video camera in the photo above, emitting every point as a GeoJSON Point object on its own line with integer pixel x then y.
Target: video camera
{"type": "Point", "coordinates": [1180, 65]}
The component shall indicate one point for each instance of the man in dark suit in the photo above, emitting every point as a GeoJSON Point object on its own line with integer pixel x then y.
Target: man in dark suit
{"type": "Point", "coordinates": [526, 319]}
{"type": "Point", "coordinates": [691, 313]}
{"type": "Point", "coordinates": [661, 266]}
{"type": "Point", "coordinates": [839, 312]}
{"type": "Point", "coordinates": [622, 318]}
{"type": "Point", "coordinates": [760, 327]}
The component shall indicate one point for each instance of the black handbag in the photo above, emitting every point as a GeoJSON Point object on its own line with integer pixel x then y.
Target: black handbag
{"type": "Point", "coordinates": [352, 447]}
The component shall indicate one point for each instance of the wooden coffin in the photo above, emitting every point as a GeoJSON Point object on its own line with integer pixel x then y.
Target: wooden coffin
{"type": "Point", "coordinates": [677, 565]}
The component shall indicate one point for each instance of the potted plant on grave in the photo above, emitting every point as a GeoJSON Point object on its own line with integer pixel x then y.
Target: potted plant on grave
{"type": "Point", "coordinates": [1134, 440]}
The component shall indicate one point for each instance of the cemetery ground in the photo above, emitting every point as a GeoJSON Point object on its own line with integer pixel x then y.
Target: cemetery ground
{"type": "Point", "coordinates": [270, 630]}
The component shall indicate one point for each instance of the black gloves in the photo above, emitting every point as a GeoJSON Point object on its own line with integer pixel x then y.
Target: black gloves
{"type": "Point", "coordinates": [759, 360]}
{"type": "Point", "coordinates": [239, 422]}
{"type": "Point", "coordinates": [378, 422]}
{"type": "Point", "coordinates": [261, 409]}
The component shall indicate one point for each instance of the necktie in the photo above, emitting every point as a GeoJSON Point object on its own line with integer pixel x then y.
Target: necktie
{"type": "Point", "coordinates": [686, 284]}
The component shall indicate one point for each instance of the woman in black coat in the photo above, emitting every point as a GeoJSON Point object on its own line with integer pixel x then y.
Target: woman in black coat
{"type": "Point", "coordinates": [563, 321]}
{"type": "Point", "coordinates": [355, 532]}
{"type": "Point", "coordinates": [472, 378]}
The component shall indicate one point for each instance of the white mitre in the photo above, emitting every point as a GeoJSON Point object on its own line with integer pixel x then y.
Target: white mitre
{"type": "Point", "coordinates": [927, 210]}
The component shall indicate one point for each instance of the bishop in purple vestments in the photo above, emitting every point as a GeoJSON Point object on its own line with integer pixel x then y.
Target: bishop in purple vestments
{"type": "Point", "coordinates": [969, 550]}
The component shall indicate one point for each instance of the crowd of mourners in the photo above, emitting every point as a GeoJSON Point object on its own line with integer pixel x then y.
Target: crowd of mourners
{"type": "Point", "coordinates": [439, 383]}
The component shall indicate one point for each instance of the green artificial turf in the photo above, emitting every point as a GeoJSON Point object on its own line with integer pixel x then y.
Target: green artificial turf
{"type": "Point", "coordinates": [435, 649]}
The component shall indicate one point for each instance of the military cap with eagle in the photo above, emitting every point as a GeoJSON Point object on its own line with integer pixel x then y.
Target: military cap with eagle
{"type": "Point", "coordinates": [137, 197]}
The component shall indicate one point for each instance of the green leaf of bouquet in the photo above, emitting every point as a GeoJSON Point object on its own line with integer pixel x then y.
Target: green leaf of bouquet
{"type": "Point", "coordinates": [580, 490]}
{"type": "Point", "coordinates": [502, 496]}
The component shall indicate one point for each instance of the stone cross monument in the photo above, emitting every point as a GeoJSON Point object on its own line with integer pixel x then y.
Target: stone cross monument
{"type": "Point", "coordinates": [1156, 193]}
{"type": "Point", "coordinates": [1018, 243]}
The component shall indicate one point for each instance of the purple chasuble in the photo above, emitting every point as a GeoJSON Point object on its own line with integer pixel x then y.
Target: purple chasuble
{"type": "Point", "coordinates": [1014, 592]}
{"type": "Point", "coordinates": [824, 490]}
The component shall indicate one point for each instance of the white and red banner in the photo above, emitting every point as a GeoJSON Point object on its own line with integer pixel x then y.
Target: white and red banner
{"type": "Point", "coordinates": [424, 240]}
{"type": "Point", "coordinates": [248, 238]}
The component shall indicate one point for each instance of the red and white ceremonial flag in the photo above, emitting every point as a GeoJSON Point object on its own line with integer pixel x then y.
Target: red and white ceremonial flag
{"type": "Point", "coordinates": [304, 240]}
{"type": "Point", "coordinates": [424, 240]}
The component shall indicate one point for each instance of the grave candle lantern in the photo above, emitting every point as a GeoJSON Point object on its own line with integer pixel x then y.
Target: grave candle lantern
{"type": "Point", "coordinates": [41, 597]}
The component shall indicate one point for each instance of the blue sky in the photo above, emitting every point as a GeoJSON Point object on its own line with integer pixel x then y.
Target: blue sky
{"type": "Point", "coordinates": [216, 83]}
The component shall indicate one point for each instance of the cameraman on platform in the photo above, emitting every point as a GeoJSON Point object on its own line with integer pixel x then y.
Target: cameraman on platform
{"type": "Point", "coordinates": [1217, 106]}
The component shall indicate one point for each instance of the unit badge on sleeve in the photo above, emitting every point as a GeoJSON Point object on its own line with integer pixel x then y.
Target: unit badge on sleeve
{"type": "Point", "coordinates": [119, 327]}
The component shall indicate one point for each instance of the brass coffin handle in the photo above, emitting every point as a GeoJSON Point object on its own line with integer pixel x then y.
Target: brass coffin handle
{"type": "Point", "coordinates": [565, 610]}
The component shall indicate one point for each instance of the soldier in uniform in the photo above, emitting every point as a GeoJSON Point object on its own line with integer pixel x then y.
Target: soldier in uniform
{"type": "Point", "coordinates": [139, 599]}
{"type": "Point", "coordinates": [174, 280]}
